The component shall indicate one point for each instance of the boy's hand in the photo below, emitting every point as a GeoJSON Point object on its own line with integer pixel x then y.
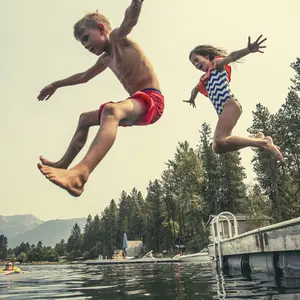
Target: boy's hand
{"type": "Point", "coordinates": [191, 102]}
{"type": "Point", "coordinates": [47, 92]}
{"type": "Point", "coordinates": [256, 46]}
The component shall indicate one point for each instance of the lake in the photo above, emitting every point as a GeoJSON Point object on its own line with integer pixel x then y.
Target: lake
{"type": "Point", "coordinates": [143, 281]}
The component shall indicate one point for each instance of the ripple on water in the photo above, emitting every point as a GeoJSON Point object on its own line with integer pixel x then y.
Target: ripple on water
{"type": "Point", "coordinates": [165, 281]}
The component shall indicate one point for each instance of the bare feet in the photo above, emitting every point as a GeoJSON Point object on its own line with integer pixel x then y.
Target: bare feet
{"type": "Point", "coordinates": [272, 149]}
{"type": "Point", "coordinates": [258, 135]}
{"type": "Point", "coordinates": [70, 180]}
{"type": "Point", "coordinates": [49, 163]}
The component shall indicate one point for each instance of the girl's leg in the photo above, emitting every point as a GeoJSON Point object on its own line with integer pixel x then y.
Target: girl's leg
{"type": "Point", "coordinates": [224, 143]}
{"type": "Point", "coordinates": [86, 120]}
{"type": "Point", "coordinates": [113, 114]}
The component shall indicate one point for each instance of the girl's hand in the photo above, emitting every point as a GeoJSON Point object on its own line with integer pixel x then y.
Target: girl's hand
{"type": "Point", "coordinates": [256, 46]}
{"type": "Point", "coordinates": [191, 102]}
{"type": "Point", "coordinates": [47, 92]}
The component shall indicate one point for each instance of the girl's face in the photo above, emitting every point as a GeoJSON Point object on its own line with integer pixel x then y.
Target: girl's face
{"type": "Point", "coordinates": [201, 62]}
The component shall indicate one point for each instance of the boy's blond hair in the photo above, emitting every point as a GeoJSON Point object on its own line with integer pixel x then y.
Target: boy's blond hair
{"type": "Point", "coordinates": [90, 20]}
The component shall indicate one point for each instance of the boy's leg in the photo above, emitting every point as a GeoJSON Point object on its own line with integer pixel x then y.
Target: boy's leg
{"type": "Point", "coordinates": [86, 120]}
{"type": "Point", "coordinates": [224, 143]}
{"type": "Point", "coordinates": [113, 114]}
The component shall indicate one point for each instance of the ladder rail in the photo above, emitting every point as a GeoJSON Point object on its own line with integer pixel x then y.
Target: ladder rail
{"type": "Point", "coordinates": [217, 238]}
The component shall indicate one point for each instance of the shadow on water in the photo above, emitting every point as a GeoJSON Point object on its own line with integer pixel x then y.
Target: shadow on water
{"type": "Point", "coordinates": [151, 281]}
{"type": "Point", "coordinates": [157, 281]}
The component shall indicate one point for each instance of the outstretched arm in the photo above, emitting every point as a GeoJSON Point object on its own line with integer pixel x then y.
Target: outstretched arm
{"type": "Point", "coordinates": [193, 96]}
{"type": "Point", "coordinates": [236, 55]}
{"type": "Point", "coordinates": [131, 18]}
{"type": "Point", "coordinates": [79, 78]}
{"type": "Point", "coordinates": [83, 77]}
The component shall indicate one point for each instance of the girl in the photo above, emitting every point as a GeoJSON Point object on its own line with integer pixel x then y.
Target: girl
{"type": "Point", "coordinates": [214, 84]}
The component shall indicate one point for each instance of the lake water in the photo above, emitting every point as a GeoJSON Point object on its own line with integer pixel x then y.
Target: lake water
{"type": "Point", "coordinates": [143, 281]}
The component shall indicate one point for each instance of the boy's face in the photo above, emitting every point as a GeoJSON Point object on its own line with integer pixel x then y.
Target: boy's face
{"type": "Point", "coordinates": [95, 40]}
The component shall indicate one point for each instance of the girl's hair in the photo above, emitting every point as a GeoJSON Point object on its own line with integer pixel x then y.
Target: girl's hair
{"type": "Point", "coordinates": [90, 20]}
{"type": "Point", "coordinates": [208, 50]}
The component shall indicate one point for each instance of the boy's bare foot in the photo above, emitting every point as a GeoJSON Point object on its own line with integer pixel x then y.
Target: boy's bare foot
{"type": "Point", "coordinates": [258, 135]}
{"type": "Point", "coordinates": [49, 163]}
{"type": "Point", "coordinates": [70, 180]}
{"type": "Point", "coordinates": [272, 149]}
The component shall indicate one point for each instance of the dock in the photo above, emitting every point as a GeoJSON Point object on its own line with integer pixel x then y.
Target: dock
{"type": "Point", "coordinates": [130, 261]}
{"type": "Point", "coordinates": [261, 244]}
{"type": "Point", "coordinates": [267, 248]}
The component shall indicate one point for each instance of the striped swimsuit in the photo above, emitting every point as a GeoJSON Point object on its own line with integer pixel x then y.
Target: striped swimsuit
{"type": "Point", "coordinates": [215, 85]}
{"type": "Point", "coordinates": [218, 90]}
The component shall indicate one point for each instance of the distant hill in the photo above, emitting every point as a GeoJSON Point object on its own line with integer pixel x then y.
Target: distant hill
{"type": "Point", "coordinates": [10, 226]}
{"type": "Point", "coordinates": [28, 228]}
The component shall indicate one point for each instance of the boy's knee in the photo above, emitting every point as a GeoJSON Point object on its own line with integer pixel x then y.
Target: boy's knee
{"type": "Point", "coordinates": [112, 109]}
{"type": "Point", "coordinates": [83, 120]}
{"type": "Point", "coordinates": [218, 145]}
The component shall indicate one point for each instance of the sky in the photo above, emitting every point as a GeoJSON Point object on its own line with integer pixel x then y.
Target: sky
{"type": "Point", "coordinates": [38, 48]}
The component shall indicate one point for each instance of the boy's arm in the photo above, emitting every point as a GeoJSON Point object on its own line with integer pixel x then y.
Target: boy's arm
{"type": "Point", "coordinates": [236, 55]}
{"type": "Point", "coordinates": [131, 18]}
{"type": "Point", "coordinates": [83, 77]}
{"type": "Point", "coordinates": [79, 78]}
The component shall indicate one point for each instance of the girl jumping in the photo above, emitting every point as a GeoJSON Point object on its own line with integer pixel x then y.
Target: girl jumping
{"type": "Point", "coordinates": [214, 84]}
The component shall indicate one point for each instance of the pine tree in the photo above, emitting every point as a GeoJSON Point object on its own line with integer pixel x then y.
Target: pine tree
{"type": "Point", "coordinates": [74, 244]}
{"type": "Point", "coordinates": [258, 208]}
{"type": "Point", "coordinates": [88, 238]}
{"type": "Point", "coordinates": [123, 217]}
{"type": "Point", "coordinates": [155, 216]}
{"type": "Point", "coordinates": [183, 181]}
{"type": "Point", "coordinates": [3, 246]}
{"type": "Point", "coordinates": [211, 174]}
{"type": "Point", "coordinates": [296, 80]}
{"type": "Point", "coordinates": [265, 167]}
{"type": "Point", "coordinates": [232, 190]}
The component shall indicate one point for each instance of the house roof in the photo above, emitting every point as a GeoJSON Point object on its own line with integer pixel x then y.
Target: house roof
{"type": "Point", "coordinates": [239, 217]}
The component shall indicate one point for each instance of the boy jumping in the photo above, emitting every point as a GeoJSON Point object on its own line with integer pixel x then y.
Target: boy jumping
{"type": "Point", "coordinates": [130, 65]}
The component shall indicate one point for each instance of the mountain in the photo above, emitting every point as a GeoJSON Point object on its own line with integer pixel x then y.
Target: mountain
{"type": "Point", "coordinates": [28, 228]}
{"type": "Point", "coordinates": [10, 226]}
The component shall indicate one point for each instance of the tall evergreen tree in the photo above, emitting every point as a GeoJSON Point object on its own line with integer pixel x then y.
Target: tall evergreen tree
{"type": "Point", "coordinates": [232, 190]}
{"type": "Point", "coordinates": [296, 80]}
{"type": "Point", "coordinates": [74, 244]}
{"type": "Point", "coordinates": [3, 246]}
{"type": "Point", "coordinates": [211, 178]}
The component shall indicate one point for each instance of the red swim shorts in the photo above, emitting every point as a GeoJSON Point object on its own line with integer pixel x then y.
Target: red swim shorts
{"type": "Point", "coordinates": [154, 105]}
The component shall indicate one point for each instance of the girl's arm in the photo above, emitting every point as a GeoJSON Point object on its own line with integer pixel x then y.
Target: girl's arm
{"type": "Point", "coordinates": [236, 55]}
{"type": "Point", "coordinates": [193, 96]}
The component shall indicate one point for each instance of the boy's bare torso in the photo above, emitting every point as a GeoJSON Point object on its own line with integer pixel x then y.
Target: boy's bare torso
{"type": "Point", "coordinates": [130, 65]}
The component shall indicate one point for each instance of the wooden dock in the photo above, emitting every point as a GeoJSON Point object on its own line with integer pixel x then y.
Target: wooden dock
{"type": "Point", "coordinates": [280, 237]}
{"type": "Point", "coordinates": [130, 261]}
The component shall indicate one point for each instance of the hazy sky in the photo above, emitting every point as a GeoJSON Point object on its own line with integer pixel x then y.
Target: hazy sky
{"type": "Point", "coordinates": [38, 47]}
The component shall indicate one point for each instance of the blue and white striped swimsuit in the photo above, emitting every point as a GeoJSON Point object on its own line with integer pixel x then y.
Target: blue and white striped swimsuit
{"type": "Point", "coordinates": [218, 89]}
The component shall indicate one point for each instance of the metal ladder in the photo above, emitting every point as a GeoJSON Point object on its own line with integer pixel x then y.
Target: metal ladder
{"type": "Point", "coordinates": [218, 238]}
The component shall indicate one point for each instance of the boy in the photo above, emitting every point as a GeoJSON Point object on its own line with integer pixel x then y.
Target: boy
{"type": "Point", "coordinates": [130, 65]}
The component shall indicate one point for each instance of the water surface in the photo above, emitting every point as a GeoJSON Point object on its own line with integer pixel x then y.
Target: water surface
{"type": "Point", "coordinates": [143, 281]}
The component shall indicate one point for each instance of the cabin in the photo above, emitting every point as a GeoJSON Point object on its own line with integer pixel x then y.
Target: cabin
{"type": "Point", "coordinates": [245, 223]}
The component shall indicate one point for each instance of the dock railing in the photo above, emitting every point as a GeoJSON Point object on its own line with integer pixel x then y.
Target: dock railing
{"type": "Point", "coordinates": [218, 222]}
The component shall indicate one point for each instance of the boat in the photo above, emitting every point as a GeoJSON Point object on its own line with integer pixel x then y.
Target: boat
{"type": "Point", "coordinates": [147, 258]}
{"type": "Point", "coordinates": [202, 256]}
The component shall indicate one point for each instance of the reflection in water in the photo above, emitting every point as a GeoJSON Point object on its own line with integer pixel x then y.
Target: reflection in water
{"type": "Point", "coordinates": [148, 281]}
